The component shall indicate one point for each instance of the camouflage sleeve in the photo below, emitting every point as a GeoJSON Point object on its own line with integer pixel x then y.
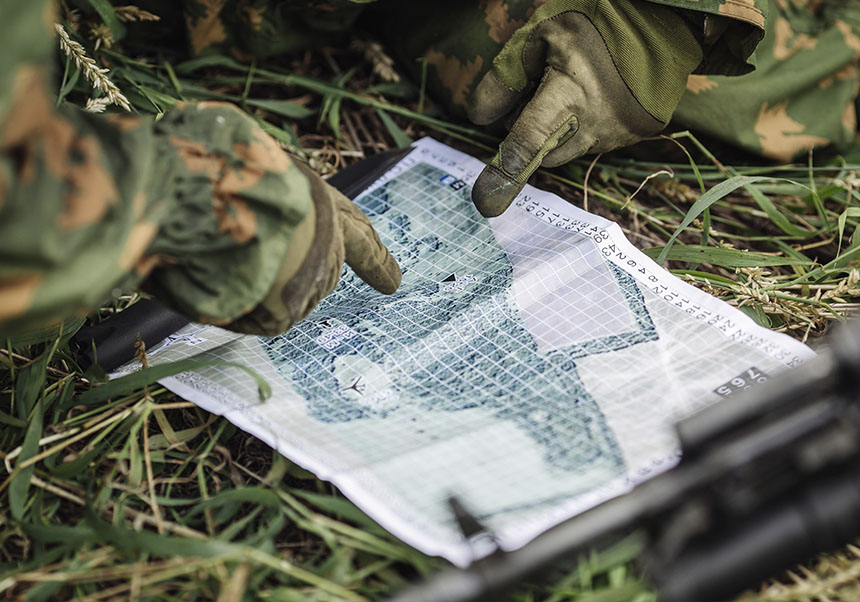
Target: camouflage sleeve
{"type": "Point", "coordinates": [730, 31]}
{"type": "Point", "coordinates": [235, 199]}
{"type": "Point", "coordinates": [753, 12]}
{"type": "Point", "coordinates": [802, 95]}
{"type": "Point", "coordinates": [458, 42]}
{"type": "Point", "coordinates": [201, 205]}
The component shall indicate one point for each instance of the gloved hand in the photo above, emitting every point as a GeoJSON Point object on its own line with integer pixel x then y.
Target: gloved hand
{"type": "Point", "coordinates": [334, 230]}
{"type": "Point", "coordinates": [595, 75]}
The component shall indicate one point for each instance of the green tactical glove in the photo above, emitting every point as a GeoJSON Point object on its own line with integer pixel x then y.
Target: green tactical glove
{"type": "Point", "coordinates": [334, 230]}
{"type": "Point", "coordinates": [593, 75]}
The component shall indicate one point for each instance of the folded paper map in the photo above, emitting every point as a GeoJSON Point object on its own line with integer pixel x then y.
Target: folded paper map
{"type": "Point", "coordinates": [532, 364]}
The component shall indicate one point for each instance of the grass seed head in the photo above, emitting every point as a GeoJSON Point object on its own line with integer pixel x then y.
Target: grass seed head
{"type": "Point", "coordinates": [96, 75]}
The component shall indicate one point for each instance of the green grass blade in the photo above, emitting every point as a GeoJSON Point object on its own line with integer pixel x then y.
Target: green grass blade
{"type": "Point", "coordinates": [58, 533]}
{"type": "Point", "coordinates": [284, 108]}
{"type": "Point", "coordinates": [717, 193]}
{"type": "Point", "coordinates": [20, 485]}
{"type": "Point", "coordinates": [842, 222]}
{"type": "Point", "coordinates": [729, 258]}
{"type": "Point", "coordinates": [400, 138]}
{"type": "Point", "coordinates": [169, 546]}
{"type": "Point", "coordinates": [254, 495]}
{"type": "Point", "coordinates": [340, 507]}
{"type": "Point", "coordinates": [62, 331]}
{"type": "Point", "coordinates": [71, 75]}
{"type": "Point", "coordinates": [147, 376]}
{"type": "Point", "coordinates": [774, 214]}
{"type": "Point", "coordinates": [29, 386]}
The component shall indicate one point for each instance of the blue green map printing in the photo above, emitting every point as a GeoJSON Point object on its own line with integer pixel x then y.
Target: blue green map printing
{"type": "Point", "coordinates": [532, 364]}
{"type": "Point", "coordinates": [456, 280]}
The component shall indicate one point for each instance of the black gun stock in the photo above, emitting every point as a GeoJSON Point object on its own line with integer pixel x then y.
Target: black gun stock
{"type": "Point", "coordinates": [767, 479]}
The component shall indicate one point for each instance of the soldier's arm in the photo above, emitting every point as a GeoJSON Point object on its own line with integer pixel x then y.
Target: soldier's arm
{"type": "Point", "coordinates": [202, 207]}
{"type": "Point", "coordinates": [574, 77]}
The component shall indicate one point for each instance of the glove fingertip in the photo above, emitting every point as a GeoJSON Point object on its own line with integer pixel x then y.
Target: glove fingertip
{"type": "Point", "coordinates": [392, 276]}
{"type": "Point", "coordinates": [494, 191]}
{"type": "Point", "coordinates": [383, 275]}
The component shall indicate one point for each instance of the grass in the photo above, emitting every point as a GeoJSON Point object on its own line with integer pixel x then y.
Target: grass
{"type": "Point", "coordinates": [141, 495]}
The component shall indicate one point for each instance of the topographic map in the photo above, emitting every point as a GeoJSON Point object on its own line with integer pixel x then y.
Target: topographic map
{"type": "Point", "coordinates": [532, 364]}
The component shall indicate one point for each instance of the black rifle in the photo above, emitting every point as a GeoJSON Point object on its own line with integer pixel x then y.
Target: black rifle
{"type": "Point", "coordinates": [767, 479]}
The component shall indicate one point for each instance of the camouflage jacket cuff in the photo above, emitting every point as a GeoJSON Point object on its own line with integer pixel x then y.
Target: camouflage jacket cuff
{"type": "Point", "coordinates": [729, 31]}
{"type": "Point", "coordinates": [235, 199]}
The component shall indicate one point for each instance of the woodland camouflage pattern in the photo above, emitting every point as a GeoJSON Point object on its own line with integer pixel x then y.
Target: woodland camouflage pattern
{"type": "Point", "coordinates": [201, 207]}
{"type": "Point", "coordinates": [802, 94]}
{"type": "Point", "coordinates": [800, 97]}
{"type": "Point", "coordinates": [204, 202]}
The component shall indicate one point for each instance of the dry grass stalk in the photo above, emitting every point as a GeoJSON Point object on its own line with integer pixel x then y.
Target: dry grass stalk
{"type": "Point", "coordinates": [383, 65]}
{"type": "Point", "coordinates": [97, 105]}
{"type": "Point", "coordinates": [88, 66]}
{"type": "Point", "coordinates": [756, 286]}
{"type": "Point", "coordinates": [834, 578]}
{"type": "Point", "coordinates": [102, 35]}
{"type": "Point", "coordinates": [847, 287]}
{"type": "Point", "coordinates": [140, 352]}
{"type": "Point", "coordinates": [73, 18]}
{"type": "Point", "coordinates": [131, 13]}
